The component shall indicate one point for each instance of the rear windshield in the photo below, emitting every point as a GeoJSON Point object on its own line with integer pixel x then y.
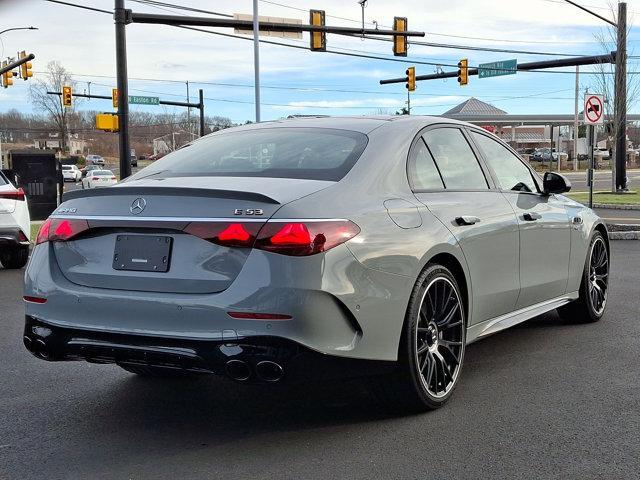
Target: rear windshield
{"type": "Point", "coordinates": [67, 167]}
{"type": "Point", "coordinates": [102, 172]}
{"type": "Point", "coordinates": [305, 153]}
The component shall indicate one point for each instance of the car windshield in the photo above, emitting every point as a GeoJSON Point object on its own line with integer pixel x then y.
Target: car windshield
{"type": "Point", "coordinates": [103, 172]}
{"type": "Point", "coordinates": [305, 153]}
{"type": "Point", "coordinates": [67, 167]}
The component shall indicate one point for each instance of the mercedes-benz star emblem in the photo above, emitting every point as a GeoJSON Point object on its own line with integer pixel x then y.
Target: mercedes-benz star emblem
{"type": "Point", "coordinates": [138, 206]}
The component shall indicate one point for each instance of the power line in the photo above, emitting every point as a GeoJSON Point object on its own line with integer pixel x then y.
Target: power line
{"type": "Point", "coordinates": [158, 4]}
{"type": "Point", "coordinates": [80, 6]}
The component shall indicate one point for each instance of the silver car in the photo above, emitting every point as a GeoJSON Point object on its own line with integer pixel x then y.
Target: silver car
{"type": "Point", "coordinates": [314, 247]}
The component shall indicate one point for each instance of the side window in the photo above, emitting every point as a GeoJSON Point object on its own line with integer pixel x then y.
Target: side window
{"type": "Point", "coordinates": [455, 160]}
{"type": "Point", "coordinates": [512, 174]}
{"type": "Point", "coordinates": [423, 173]}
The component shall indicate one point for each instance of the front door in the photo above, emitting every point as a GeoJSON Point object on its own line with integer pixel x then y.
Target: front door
{"type": "Point", "coordinates": [545, 230]}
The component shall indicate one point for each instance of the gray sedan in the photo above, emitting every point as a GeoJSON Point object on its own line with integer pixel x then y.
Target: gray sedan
{"type": "Point", "coordinates": [315, 247]}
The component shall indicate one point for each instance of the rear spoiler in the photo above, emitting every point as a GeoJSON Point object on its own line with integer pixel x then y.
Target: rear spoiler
{"type": "Point", "coordinates": [168, 191]}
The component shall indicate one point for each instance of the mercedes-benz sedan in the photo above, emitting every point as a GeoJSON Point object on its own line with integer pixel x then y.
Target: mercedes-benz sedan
{"type": "Point", "coordinates": [314, 247]}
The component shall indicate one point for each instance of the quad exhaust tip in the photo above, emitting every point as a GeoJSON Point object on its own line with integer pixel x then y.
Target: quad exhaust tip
{"type": "Point", "coordinates": [269, 371]}
{"type": "Point", "coordinates": [238, 370]}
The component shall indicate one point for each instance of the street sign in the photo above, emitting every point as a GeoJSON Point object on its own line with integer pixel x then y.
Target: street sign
{"type": "Point", "coordinates": [594, 110]}
{"type": "Point", "coordinates": [138, 100]}
{"type": "Point", "coordinates": [264, 33]}
{"type": "Point", "coordinates": [497, 69]}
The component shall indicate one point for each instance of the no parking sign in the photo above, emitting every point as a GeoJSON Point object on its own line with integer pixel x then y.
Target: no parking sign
{"type": "Point", "coordinates": [594, 110]}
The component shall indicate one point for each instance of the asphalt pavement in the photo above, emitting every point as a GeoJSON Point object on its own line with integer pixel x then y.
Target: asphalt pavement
{"type": "Point", "coordinates": [546, 399]}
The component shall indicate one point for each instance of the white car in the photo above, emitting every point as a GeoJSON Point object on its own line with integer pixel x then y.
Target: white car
{"type": "Point", "coordinates": [15, 225]}
{"type": "Point", "coordinates": [99, 178]}
{"type": "Point", "coordinates": [94, 160]}
{"type": "Point", "coordinates": [71, 173]}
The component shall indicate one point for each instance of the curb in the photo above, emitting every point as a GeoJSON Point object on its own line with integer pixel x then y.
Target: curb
{"type": "Point", "coordinates": [615, 206]}
{"type": "Point", "coordinates": [634, 235]}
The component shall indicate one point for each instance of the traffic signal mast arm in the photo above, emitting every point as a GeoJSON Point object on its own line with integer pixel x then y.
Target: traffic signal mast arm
{"type": "Point", "coordinates": [566, 62]}
{"type": "Point", "coordinates": [11, 66]}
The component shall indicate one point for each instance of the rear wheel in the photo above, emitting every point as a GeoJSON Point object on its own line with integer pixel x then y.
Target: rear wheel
{"type": "Point", "coordinates": [432, 346]}
{"type": "Point", "coordinates": [594, 288]}
{"type": "Point", "coordinates": [14, 258]}
{"type": "Point", "coordinates": [157, 372]}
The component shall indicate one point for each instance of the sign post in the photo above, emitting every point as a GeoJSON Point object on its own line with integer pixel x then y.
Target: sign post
{"type": "Point", "coordinates": [593, 115]}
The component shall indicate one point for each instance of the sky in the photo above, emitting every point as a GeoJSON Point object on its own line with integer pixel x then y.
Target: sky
{"type": "Point", "coordinates": [161, 59]}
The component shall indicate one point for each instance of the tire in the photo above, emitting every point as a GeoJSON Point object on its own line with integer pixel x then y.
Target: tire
{"type": "Point", "coordinates": [589, 307]}
{"type": "Point", "coordinates": [411, 388]}
{"type": "Point", "coordinates": [157, 372]}
{"type": "Point", "coordinates": [15, 258]}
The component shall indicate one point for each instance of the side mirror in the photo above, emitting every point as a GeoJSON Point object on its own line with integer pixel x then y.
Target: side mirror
{"type": "Point", "coordinates": [555, 183]}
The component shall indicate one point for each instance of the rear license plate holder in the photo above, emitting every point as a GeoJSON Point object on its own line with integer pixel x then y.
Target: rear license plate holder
{"type": "Point", "coordinates": [142, 253]}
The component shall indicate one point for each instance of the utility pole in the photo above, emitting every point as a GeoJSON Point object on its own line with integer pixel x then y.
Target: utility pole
{"type": "Point", "coordinates": [408, 102]}
{"type": "Point", "coordinates": [189, 111]}
{"type": "Point", "coordinates": [124, 149]}
{"type": "Point", "coordinates": [575, 121]}
{"type": "Point", "coordinates": [256, 58]}
{"type": "Point", "coordinates": [620, 107]}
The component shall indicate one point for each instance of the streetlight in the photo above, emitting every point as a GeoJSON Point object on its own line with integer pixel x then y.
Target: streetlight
{"type": "Point", "coordinates": [18, 28]}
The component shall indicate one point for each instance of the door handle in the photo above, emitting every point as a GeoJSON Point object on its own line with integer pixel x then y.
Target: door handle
{"type": "Point", "coordinates": [467, 220]}
{"type": "Point", "coordinates": [532, 216]}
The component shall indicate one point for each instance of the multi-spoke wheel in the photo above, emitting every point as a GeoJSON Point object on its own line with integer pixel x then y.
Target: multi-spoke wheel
{"type": "Point", "coordinates": [432, 347]}
{"type": "Point", "coordinates": [594, 287]}
{"type": "Point", "coordinates": [439, 335]}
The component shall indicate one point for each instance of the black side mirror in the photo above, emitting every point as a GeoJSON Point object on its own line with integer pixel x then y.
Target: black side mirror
{"type": "Point", "coordinates": [555, 183]}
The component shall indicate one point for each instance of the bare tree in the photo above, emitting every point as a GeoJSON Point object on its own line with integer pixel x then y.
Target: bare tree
{"type": "Point", "coordinates": [56, 77]}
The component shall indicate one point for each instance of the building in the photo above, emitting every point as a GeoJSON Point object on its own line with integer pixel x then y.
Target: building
{"type": "Point", "coordinates": [76, 145]}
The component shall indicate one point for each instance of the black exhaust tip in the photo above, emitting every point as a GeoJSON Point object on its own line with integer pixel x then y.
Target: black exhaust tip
{"type": "Point", "coordinates": [269, 371]}
{"type": "Point", "coordinates": [238, 370]}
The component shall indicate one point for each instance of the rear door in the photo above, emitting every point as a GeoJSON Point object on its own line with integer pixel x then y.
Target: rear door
{"type": "Point", "coordinates": [545, 234]}
{"type": "Point", "coordinates": [448, 179]}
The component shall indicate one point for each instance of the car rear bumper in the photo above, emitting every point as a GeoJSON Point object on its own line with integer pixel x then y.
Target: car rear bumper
{"type": "Point", "coordinates": [256, 359]}
{"type": "Point", "coordinates": [12, 237]}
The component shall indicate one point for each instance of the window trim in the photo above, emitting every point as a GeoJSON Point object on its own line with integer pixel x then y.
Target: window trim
{"type": "Point", "coordinates": [534, 175]}
{"type": "Point", "coordinates": [488, 176]}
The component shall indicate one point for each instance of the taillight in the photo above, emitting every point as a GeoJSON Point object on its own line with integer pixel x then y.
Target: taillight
{"type": "Point", "coordinates": [13, 195]}
{"type": "Point", "coordinates": [113, 178]}
{"type": "Point", "coordinates": [95, 178]}
{"type": "Point", "coordinates": [305, 238]}
{"type": "Point", "coordinates": [60, 230]}
{"type": "Point", "coordinates": [284, 237]}
{"type": "Point", "coordinates": [233, 234]}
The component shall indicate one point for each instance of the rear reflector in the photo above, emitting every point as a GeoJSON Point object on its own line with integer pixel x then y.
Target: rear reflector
{"type": "Point", "coordinates": [13, 195]}
{"type": "Point", "coordinates": [60, 230]}
{"type": "Point", "coordinates": [30, 299]}
{"type": "Point", "coordinates": [259, 316]}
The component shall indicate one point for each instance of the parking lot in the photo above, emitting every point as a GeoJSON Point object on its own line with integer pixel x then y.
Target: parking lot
{"type": "Point", "coordinates": [546, 399]}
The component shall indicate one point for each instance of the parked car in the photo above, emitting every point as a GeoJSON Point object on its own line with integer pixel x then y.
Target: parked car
{"type": "Point", "coordinates": [544, 155]}
{"type": "Point", "coordinates": [89, 168]}
{"type": "Point", "coordinates": [94, 160]}
{"type": "Point", "coordinates": [98, 179]}
{"type": "Point", "coordinates": [71, 173]}
{"type": "Point", "coordinates": [602, 152]}
{"type": "Point", "coordinates": [15, 225]}
{"type": "Point", "coordinates": [365, 246]}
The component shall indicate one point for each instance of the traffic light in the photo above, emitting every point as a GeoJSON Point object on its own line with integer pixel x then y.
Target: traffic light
{"type": "Point", "coordinates": [7, 77]}
{"type": "Point", "coordinates": [463, 72]}
{"type": "Point", "coordinates": [67, 96]}
{"type": "Point", "coordinates": [107, 122]}
{"type": "Point", "coordinates": [400, 41]}
{"type": "Point", "coordinates": [25, 68]}
{"type": "Point", "coordinates": [114, 97]}
{"type": "Point", "coordinates": [411, 78]}
{"type": "Point", "coordinates": [318, 39]}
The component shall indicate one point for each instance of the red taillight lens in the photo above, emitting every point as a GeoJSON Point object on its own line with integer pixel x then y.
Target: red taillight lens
{"type": "Point", "coordinates": [305, 238]}
{"type": "Point", "coordinates": [113, 178]}
{"type": "Point", "coordinates": [234, 234]}
{"type": "Point", "coordinates": [13, 195]}
{"type": "Point", "coordinates": [60, 230]}
{"type": "Point", "coordinates": [95, 178]}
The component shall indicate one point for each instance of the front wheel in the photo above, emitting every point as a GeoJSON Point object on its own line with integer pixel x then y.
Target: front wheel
{"type": "Point", "coordinates": [432, 346]}
{"type": "Point", "coordinates": [594, 288]}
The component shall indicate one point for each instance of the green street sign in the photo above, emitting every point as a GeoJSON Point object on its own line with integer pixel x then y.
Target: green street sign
{"type": "Point", "coordinates": [137, 100]}
{"type": "Point", "coordinates": [497, 69]}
